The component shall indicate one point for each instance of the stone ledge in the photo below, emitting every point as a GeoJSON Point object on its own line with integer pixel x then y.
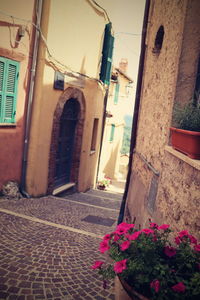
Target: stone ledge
{"type": "Point", "coordinates": [63, 188]}
{"type": "Point", "coordinates": [8, 124]}
{"type": "Point", "coordinates": [192, 162]}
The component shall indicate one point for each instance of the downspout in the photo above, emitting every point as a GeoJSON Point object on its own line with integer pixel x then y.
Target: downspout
{"type": "Point", "coordinates": [136, 108]}
{"type": "Point", "coordinates": [39, 4]}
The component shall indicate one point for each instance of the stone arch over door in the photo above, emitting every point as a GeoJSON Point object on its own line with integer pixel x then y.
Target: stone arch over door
{"type": "Point", "coordinates": [69, 94]}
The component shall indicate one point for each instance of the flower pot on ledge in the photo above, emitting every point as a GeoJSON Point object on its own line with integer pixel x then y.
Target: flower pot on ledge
{"type": "Point", "coordinates": [125, 292]}
{"type": "Point", "coordinates": [185, 141]}
{"type": "Point", "coordinates": [101, 187]}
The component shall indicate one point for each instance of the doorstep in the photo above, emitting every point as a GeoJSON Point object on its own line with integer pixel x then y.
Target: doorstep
{"type": "Point", "coordinates": [63, 188]}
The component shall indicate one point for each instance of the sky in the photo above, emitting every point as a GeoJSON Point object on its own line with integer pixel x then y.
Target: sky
{"type": "Point", "coordinates": [127, 19]}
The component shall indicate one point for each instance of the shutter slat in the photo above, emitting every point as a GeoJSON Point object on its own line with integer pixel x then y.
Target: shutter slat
{"type": "Point", "coordinates": [11, 78]}
{"type": "Point", "coordinates": [9, 107]}
{"type": "Point", "coordinates": [2, 67]}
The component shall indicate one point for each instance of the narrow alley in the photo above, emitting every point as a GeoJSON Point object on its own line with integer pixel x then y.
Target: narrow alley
{"type": "Point", "coordinates": [48, 245]}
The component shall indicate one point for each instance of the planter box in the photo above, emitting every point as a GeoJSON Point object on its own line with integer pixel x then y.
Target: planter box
{"type": "Point", "coordinates": [185, 141]}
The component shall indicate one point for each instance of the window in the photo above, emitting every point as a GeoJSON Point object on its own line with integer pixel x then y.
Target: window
{"type": "Point", "coordinates": [116, 97]}
{"type": "Point", "coordinates": [94, 134]}
{"type": "Point", "coordinates": [112, 132]}
{"type": "Point", "coordinates": [159, 40]}
{"type": "Point", "coordinates": [9, 73]}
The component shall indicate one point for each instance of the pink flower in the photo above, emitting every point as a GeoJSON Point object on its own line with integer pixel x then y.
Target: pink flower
{"type": "Point", "coordinates": [179, 287]}
{"type": "Point", "coordinates": [134, 236]}
{"type": "Point", "coordinates": [177, 240]}
{"type": "Point", "coordinates": [153, 225]}
{"type": "Point", "coordinates": [107, 237]}
{"type": "Point", "coordinates": [125, 245]}
{"type": "Point", "coordinates": [163, 226]}
{"type": "Point", "coordinates": [97, 264]}
{"type": "Point", "coordinates": [193, 240]}
{"type": "Point", "coordinates": [197, 248]}
{"type": "Point", "coordinates": [123, 228]}
{"type": "Point", "coordinates": [169, 251]}
{"type": "Point", "coordinates": [155, 284]}
{"type": "Point", "coordinates": [147, 231]}
{"type": "Point", "coordinates": [116, 237]}
{"type": "Point", "coordinates": [126, 225]}
{"type": "Point", "coordinates": [183, 233]}
{"type": "Point", "coordinates": [104, 246]}
{"type": "Point", "coordinates": [119, 266]}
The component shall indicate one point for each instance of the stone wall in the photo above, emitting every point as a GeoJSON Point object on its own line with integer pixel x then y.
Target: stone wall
{"type": "Point", "coordinates": [163, 186]}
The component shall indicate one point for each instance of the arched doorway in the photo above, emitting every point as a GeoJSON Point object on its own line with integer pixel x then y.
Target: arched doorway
{"type": "Point", "coordinates": [66, 139]}
{"type": "Point", "coordinates": [68, 124]}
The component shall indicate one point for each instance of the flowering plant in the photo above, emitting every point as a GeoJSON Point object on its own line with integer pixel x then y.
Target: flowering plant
{"type": "Point", "coordinates": [152, 262]}
{"type": "Point", "coordinates": [104, 182]}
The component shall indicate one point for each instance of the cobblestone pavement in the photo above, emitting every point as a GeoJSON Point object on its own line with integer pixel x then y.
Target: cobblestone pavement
{"type": "Point", "coordinates": [46, 249]}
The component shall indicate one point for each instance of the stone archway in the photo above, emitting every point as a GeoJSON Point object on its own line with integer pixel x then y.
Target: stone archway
{"type": "Point", "coordinates": [69, 94]}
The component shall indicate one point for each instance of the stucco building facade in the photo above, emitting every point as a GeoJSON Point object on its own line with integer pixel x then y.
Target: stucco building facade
{"type": "Point", "coordinates": [119, 92]}
{"type": "Point", "coordinates": [60, 145]}
{"type": "Point", "coordinates": [164, 183]}
{"type": "Point", "coordinates": [16, 52]}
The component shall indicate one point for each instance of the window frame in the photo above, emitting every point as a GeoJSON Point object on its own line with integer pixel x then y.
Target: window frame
{"type": "Point", "coordinates": [9, 77]}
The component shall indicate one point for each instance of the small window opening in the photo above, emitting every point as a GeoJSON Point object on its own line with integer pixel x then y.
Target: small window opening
{"type": "Point", "coordinates": [94, 134]}
{"type": "Point", "coordinates": [159, 40]}
{"type": "Point", "coordinates": [112, 132]}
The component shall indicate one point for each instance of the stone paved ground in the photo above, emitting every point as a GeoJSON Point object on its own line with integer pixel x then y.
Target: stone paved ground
{"type": "Point", "coordinates": [46, 250]}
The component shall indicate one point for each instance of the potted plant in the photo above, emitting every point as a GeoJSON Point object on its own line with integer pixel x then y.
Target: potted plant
{"type": "Point", "coordinates": [151, 263]}
{"type": "Point", "coordinates": [185, 133]}
{"type": "Point", "coordinates": [103, 183]}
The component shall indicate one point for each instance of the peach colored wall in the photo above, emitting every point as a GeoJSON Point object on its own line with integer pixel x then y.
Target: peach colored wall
{"type": "Point", "coordinates": [110, 154]}
{"type": "Point", "coordinates": [11, 136]}
{"type": "Point", "coordinates": [59, 34]}
{"type": "Point", "coordinates": [80, 30]}
{"type": "Point", "coordinates": [178, 191]}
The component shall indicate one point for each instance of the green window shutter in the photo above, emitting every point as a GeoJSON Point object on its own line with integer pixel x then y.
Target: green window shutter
{"type": "Point", "coordinates": [107, 54]}
{"type": "Point", "coordinates": [116, 97]}
{"type": "Point", "coordinates": [112, 132]}
{"type": "Point", "coordinates": [8, 89]}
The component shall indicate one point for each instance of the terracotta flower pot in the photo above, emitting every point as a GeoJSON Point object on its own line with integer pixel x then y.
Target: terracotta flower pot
{"type": "Point", "coordinates": [125, 292]}
{"type": "Point", "coordinates": [101, 187]}
{"type": "Point", "coordinates": [185, 141]}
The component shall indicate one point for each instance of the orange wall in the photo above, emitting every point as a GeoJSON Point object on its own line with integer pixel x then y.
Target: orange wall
{"type": "Point", "coordinates": [11, 137]}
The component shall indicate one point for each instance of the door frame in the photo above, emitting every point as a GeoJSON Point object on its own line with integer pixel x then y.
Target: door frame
{"type": "Point", "coordinates": [66, 95]}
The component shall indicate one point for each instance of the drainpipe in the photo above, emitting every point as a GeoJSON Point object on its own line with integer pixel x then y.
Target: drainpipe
{"type": "Point", "coordinates": [136, 109]}
{"type": "Point", "coordinates": [39, 4]}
